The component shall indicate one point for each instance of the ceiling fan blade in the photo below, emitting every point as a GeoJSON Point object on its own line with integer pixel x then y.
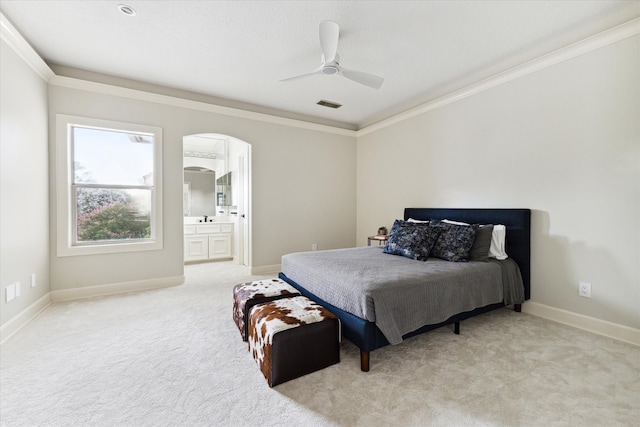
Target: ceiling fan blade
{"type": "Point", "coordinates": [329, 33]}
{"type": "Point", "coordinates": [316, 71]}
{"type": "Point", "coordinates": [363, 78]}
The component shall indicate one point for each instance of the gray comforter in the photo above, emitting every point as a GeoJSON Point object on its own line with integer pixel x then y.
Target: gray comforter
{"type": "Point", "coordinates": [399, 294]}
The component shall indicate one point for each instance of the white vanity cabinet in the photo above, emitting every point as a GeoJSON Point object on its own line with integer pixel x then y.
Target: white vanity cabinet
{"type": "Point", "coordinates": [208, 241]}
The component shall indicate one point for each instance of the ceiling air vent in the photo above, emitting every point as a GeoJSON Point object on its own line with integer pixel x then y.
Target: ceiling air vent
{"type": "Point", "coordinates": [329, 104]}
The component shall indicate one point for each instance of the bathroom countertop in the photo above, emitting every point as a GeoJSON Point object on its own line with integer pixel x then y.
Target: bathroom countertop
{"type": "Point", "coordinates": [195, 220]}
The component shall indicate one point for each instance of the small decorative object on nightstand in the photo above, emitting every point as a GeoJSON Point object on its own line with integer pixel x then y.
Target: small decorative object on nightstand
{"type": "Point", "coordinates": [381, 237]}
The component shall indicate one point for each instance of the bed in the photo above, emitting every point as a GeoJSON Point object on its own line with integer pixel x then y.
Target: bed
{"type": "Point", "coordinates": [382, 299]}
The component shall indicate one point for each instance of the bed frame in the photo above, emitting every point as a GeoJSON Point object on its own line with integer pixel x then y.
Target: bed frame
{"type": "Point", "coordinates": [367, 336]}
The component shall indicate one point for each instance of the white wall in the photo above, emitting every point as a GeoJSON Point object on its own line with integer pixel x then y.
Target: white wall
{"type": "Point", "coordinates": [24, 208]}
{"type": "Point", "coordinates": [564, 142]}
{"type": "Point", "coordinates": [303, 184]}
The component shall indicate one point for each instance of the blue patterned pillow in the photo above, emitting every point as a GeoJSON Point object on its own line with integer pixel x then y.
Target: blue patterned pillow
{"type": "Point", "coordinates": [454, 242]}
{"type": "Point", "coordinates": [411, 240]}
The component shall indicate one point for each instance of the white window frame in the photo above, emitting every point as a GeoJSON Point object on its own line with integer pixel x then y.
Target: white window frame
{"type": "Point", "coordinates": [65, 209]}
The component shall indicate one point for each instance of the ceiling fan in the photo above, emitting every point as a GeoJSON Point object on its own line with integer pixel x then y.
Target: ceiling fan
{"type": "Point", "coordinates": [330, 64]}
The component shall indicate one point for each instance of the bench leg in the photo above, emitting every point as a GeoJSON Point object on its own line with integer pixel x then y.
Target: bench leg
{"type": "Point", "coordinates": [456, 328]}
{"type": "Point", "coordinates": [364, 361]}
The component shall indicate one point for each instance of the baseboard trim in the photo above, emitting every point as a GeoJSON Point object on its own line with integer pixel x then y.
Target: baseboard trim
{"type": "Point", "coordinates": [591, 324]}
{"type": "Point", "coordinates": [24, 317]}
{"type": "Point", "coordinates": [265, 269]}
{"type": "Point", "coordinates": [115, 288]}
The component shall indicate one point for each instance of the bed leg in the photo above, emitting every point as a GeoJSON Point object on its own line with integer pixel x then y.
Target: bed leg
{"type": "Point", "coordinates": [456, 328]}
{"type": "Point", "coordinates": [364, 361]}
{"type": "Point", "coordinates": [517, 308]}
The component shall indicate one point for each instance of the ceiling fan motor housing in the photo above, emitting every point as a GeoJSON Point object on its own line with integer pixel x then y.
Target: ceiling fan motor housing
{"type": "Point", "coordinates": [330, 69]}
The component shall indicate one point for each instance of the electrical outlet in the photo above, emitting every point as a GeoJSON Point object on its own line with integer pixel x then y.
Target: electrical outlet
{"type": "Point", "coordinates": [584, 289]}
{"type": "Point", "coordinates": [314, 246]}
{"type": "Point", "coordinates": [17, 289]}
{"type": "Point", "coordinates": [33, 280]}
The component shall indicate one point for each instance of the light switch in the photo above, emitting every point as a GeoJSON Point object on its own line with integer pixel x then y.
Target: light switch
{"type": "Point", "coordinates": [10, 292]}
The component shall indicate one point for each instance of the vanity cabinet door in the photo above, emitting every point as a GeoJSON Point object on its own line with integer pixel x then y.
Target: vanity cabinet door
{"type": "Point", "coordinates": [196, 248]}
{"type": "Point", "coordinates": [219, 246]}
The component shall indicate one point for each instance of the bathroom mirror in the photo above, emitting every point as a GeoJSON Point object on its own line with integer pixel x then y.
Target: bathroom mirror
{"type": "Point", "coordinates": [223, 190]}
{"type": "Point", "coordinates": [204, 160]}
{"type": "Point", "coordinates": [199, 192]}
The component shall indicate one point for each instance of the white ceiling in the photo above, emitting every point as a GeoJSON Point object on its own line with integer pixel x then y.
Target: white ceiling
{"type": "Point", "coordinates": [238, 51]}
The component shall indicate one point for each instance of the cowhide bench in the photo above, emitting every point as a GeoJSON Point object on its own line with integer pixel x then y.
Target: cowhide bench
{"type": "Point", "coordinates": [246, 295]}
{"type": "Point", "coordinates": [292, 337]}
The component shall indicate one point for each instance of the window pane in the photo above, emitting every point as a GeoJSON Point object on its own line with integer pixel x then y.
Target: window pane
{"type": "Point", "coordinates": [111, 157]}
{"type": "Point", "coordinates": [107, 214]}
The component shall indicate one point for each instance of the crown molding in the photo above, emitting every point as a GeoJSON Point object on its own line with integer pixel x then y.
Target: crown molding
{"type": "Point", "coordinates": [107, 89]}
{"type": "Point", "coordinates": [10, 35]}
{"type": "Point", "coordinates": [615, 34]}
{"type": "Point", "coordinates": [13, 38]}
{"type": "Point", "coordinates": [17, 42]}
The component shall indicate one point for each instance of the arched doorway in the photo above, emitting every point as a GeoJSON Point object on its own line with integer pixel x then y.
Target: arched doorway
{"type": "Point", "coordinates": [217, 186]}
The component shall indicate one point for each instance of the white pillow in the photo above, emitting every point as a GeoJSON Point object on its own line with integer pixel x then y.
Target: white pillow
{"type": "Point", "coordinates": [416, 220]}
{"type": "Point", "coordinates": [496, 250]}
{"type": "Point", "coordinates": [448, 221]}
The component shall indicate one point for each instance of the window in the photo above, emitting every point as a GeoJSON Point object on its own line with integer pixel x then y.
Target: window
{"type": "Point", "coordinates": [109, 186]}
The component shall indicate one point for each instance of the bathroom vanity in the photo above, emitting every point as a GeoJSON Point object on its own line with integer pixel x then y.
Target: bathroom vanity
{"type": "Point", "coordinates": [208, 241]}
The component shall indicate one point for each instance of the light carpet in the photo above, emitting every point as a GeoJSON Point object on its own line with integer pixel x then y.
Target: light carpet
{"type": "Point", "coordinates": [174, 357]}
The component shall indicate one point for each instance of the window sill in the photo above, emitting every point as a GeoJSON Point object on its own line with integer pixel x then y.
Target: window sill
{"type": "Point", "coordinates": [111, 248]}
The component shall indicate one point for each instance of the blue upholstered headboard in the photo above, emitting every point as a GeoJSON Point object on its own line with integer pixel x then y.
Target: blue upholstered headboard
{"type": "Point", "coordinates": [517, 222]}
